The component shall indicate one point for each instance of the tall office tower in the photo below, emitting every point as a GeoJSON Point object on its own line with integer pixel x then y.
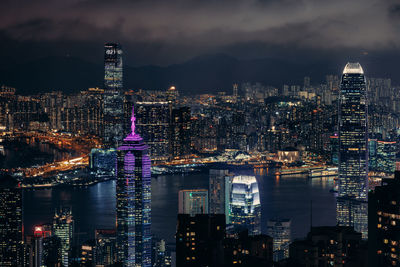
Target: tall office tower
{"type": "Point", "coordinates": [161, 256]}
{"type": "Point", "coordinates": [63, 226]}
{"type": "Point", "coordinates": [199, 240]}
{"type": "Point", "coordinates": [52, 251]}
{"type": "Point", "coordinates": [219, 192]}
{"type": "Point", "coordinates": [180, 127]}
{"type": "Point", "coordinates": [133, 191]}
{"type": "Point", "coordinates": [113, 94]}
{"type": "Point", "coordinates": [307, 82]}
{"type": "Point", "coordinates": [245, 206]}
{"type": "Point", "coordinates": [11, 232]}
{"type": "Point", "coordinates": [372, 154]}
{"type": "Point", "coordinates": [235, 91]}
{"type": "Point", "coordinates": [105, 247]}
{"type": "Point", "coordinates": [193, 201]}
{"type": "Point", "coordinates": [352, 203]}
{"type": "Point", "coordinates": [334, 146]}
{"type": "Point", "coordinates": [36, 247]}
{"type": "Point", "coordinates": [172, 95]}
{"type": "Point", "coordinates": [153, 120]}
{"type": "Point", "coordinates": [280, 231]}
{"type": "Point", "coordinates": [384, 223]}
{"type": "Point", "coordinates": [386, 156]}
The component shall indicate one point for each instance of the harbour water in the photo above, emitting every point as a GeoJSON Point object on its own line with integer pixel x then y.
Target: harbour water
{"type": "Point", "coordinates": [93, 207]}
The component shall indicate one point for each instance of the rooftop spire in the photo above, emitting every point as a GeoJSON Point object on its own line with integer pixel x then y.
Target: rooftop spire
{"type": "Point", "coordinates": [133, 120]}
{"type": "Point", "coordinates": [133, 136]}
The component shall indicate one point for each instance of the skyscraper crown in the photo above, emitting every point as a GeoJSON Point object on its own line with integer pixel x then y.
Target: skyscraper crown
{"type": "Point", "coordinates": [353, 68]}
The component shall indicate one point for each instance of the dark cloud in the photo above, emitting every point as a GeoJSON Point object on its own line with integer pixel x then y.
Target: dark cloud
{"type": "Point", "coordinates": [174, 30]}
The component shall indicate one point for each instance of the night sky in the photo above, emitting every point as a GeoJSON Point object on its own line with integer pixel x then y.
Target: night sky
{"type": "Point", "coordinates": [159, 32]}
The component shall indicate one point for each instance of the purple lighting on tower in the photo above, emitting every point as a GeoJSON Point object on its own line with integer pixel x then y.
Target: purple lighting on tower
{"type": "Point", "coordinates": [133, 136]}
{"type": "Point", "coordinates": [133, 190]}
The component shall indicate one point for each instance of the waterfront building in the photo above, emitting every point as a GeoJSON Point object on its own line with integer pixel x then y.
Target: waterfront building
{"type": "Point", "coordinates": [219, 192]}
{"type": "Point", "coordinates": [245, 206]}
{"type": "Point", "coordinates": [386, 156]}
{"type": "Point", "coordinates": [280, 231]}
{"type": "Point", "coordinates": [334, 143]}
{"type": "Point", "coordinates": [63, 226]}
{"type": "Point", "coordinates": [193, 201]}
{"type": "Point", "coordinates": [153, 121]}
{"type": "Point", "coordinates": [105, 247]}
{"type": "Point", "coordinates": [199, 240]}
{"type": "Point", "coordinates": [103, 159]}
{"type": "Point", "coordinates": [133, 190]}
{"type": "Point", "coordinates": [372, 154]}
{"type": "Point", "coordinates": [113, 94]}
{"type": "Point", "coordinates": [34, 245]}
{"type": "Point", "coordinates": [11, 228]}
{"type": "Point", "coordinates": [384, 223]}
{"type": "Point", "coordinates": [353, 152]}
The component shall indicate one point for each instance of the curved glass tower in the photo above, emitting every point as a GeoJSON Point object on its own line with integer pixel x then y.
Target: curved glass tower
{"type": "Point", "coordinates": [133, 191]}
{"type": "Point", "coordinates": [245, 204]}
{"type": "Point", "coordinates": [353, 152]}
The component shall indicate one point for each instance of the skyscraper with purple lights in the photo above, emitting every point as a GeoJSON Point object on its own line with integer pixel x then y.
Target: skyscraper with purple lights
{"type": "Point", "coordinates": [133, 201]}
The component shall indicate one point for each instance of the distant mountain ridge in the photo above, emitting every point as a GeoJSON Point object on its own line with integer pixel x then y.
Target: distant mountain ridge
{"type": "Point", "coordinates": [203, 74]}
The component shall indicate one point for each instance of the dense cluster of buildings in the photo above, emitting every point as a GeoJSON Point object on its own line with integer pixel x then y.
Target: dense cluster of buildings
{"type": "Point", "coordinates": [350, 122]}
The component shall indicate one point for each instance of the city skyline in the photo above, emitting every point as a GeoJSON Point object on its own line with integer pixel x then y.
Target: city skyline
{"type": "Point", "coordinates": [233, 172]}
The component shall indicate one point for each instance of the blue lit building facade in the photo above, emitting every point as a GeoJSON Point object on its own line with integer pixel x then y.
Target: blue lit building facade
{"type": "Point", "coordinates": [133, 191]}
{"type": "Point", "coordinates": [245, 205]}
{"type": "Point", "coordinates": [113, 94]}
{"type": "Point", "coordinates": [353, 150]}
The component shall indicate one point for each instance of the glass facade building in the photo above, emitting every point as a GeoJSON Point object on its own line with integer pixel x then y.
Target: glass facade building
{"type": "Point", "coordinates": [386, 156]}
{"type": "Point", "coordinates": [245, 205]}
{"type": "Point", "coordinates": [133, 191]}
{"type": "Point", "coordinates": [219, 190]}
{"type": "Point", "coordinates": [280, 231]}
{"type": "Point", "coordinates": [63, 226]}
{"type": "Point", "coordinates": [353, 150]}
{"type": "Point", "coordinates": [193, 201]}
{"type": "Point", "coordinates": [113, 94]}
{"type": "Point", "coordinates": [11, 231]}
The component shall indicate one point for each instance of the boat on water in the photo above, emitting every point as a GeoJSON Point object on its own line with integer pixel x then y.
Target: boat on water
{"type": "Point", "coordinates": [323, 172]}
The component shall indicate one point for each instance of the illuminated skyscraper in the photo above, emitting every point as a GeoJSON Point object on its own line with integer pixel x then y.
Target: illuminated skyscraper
{"type": "Point", "coordinates": [353, 153]}
{"type": "Point", "coordinates": [386, 156]}
{"type": "Point", "coordinates": [279, 230]}
{"type": "Point", "coordinates": [63, 226]}
{"type": "Point", "coordinates": [11, 233]}
{"type": "Point", "coordinates": [105, 247]}
{"type": "Point", "coordinates": [193, 201]}
{"type": "Point", "coordinates": [219, 190]}
{"type": "Point", "coordinates": [113, 94]}
{"type": "Point", "coordinates": [133, 201]}
{"type": "Point", "coordinates": [245, 208]}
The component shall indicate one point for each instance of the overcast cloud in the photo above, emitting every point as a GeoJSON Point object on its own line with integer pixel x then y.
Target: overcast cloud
{"type": "Point", "coordinates": [201, 26]}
